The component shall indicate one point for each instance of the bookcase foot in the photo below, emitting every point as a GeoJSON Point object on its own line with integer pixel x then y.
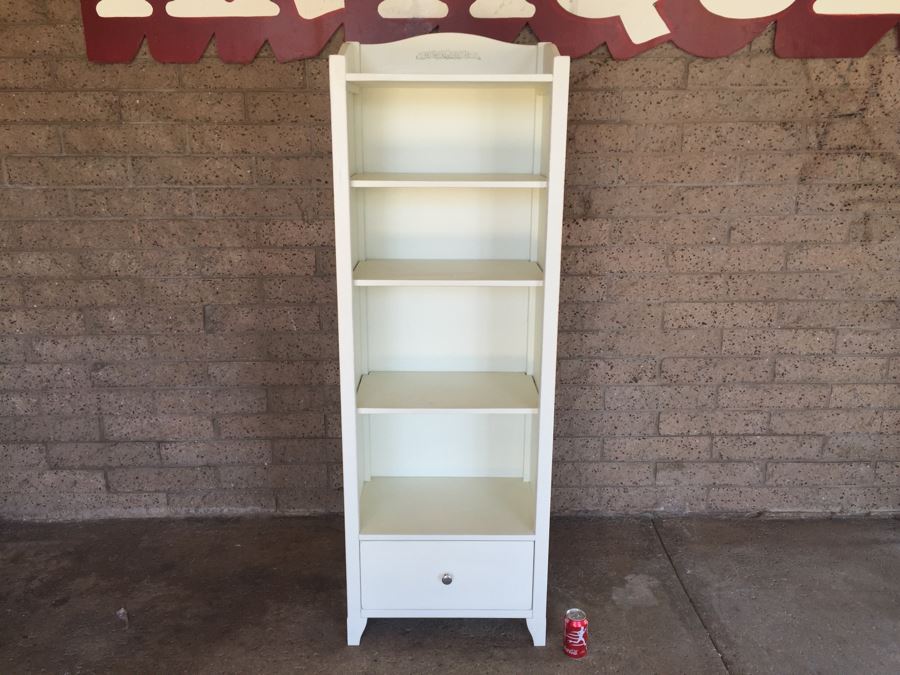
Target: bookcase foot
{"type": "Point", "coordinates": [355, 628]}
{"type": "Point", "coordinates": [538, 630]}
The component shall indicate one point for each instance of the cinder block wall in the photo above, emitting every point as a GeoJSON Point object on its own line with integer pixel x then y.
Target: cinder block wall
{"type": "Point", "coordinates": [730, 326]}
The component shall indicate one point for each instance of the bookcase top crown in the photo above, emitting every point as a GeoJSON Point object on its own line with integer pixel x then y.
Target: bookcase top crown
{"type": "Point", "coordinates": [449, 54]}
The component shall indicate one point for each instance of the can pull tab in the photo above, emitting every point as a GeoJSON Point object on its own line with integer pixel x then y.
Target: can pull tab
{"type": "Point", "coordinates": [446, 578]}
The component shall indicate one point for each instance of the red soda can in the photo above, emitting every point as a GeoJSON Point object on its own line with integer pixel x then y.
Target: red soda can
{"type": "Point", "coordinates": [575, 641]}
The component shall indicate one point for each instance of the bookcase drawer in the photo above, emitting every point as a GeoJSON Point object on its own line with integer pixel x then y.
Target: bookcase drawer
{"type": "Point", "coordinates": [446, 575]}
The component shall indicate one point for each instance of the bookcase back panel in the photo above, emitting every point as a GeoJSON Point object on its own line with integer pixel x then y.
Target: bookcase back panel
{"type": "Point", "coordinates": [439, 329]}
{"type": "Point", "coordinates": [448, 445]}
{"type": "Point", "coordinates": [435, 130]}
{"type": "Point", "coordinates": [448, 224]}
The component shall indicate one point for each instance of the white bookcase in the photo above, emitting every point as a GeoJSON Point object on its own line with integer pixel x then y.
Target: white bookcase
{"type": "Point", "coordinates": [449, 154]}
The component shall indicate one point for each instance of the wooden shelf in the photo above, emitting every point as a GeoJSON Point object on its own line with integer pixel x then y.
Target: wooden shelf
{"type": "Point", "coordinates": [448, 273]}
{"type": "Point", "coordinates": [446, 507]}
{"type": "Point", "coordinates": [447, 180]}
{"type": "Point", "coordinates": [415, 78]}
{"type": "Point", "coordinates": [450, 392]}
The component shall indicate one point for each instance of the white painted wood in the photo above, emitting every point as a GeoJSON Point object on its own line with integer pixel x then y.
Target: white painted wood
{"type": "Point", "coordinates": [412, 574]}
{"type": "Point", "coordinates": [446, 537]}
{"type": "Point", "coordinates": [449, 155]}
{"type": "Point", "coordinates": [429, 329]}
{"type": "Point", "coordinates": [449, 53]}
{"type": "Point", "coordinates": [448, 273]}
{"type": "Point", "coordinates": [447, 392]}
{"type": "Point", "coordinates": [346, 330]}
{"type": "Point", "coordinates": [447, 180]}
{"type": "Point", "coordinates": [425, 78]}
{"type": "Point", "coordinates": [447, 506]}
{"type": "Point", "coordinates": [456, 445]}
{"type": "Point", "coordinates": [538, 629]}
{"type": "Point", "coordinates": [547, 377]}
{"type": "Point", "coordinates": [485, 128]}
{"type": "Point", "coordinates": [447, 613]}
{"type": "Point", "coordinates": [355, 627]}
{"type": "Point", "coordinates": [474, 224]}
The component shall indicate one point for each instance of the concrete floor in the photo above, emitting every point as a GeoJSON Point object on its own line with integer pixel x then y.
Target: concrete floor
{"type": "Point", "coordinates": [267, 596]}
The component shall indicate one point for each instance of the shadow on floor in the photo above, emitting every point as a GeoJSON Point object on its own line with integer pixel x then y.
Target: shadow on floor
{"type": "Point", "coordinates": [267, 595]}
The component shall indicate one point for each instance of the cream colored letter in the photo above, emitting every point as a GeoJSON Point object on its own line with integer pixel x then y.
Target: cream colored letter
{"type": "Point", "coordinates": [413, 9]}
{"type": "Point", "coordinates": [746, 9]}
{"type": "Point", "coordinates": [641, 20]}
{"type": "Point", "coordinates": [109, 9]}
{"type": "Point", "coordinates": [501, 9]}
{"type": "Point", "coordinates": [310, 9]}
{"type": "Point", "coordinates": [203, 8]}
{"type": "Point", "coordinates": [848, 7]}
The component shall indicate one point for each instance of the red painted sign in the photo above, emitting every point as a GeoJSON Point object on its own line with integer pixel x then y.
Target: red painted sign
{"type": "Point", "coordinates": [179, 31]}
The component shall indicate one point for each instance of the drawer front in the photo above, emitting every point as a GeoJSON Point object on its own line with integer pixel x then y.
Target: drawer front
{"type": "Point", "coordinates": [414, 574]}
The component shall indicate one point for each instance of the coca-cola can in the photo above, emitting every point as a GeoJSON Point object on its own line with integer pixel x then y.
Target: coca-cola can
{"type": "Point", "coordinates": [575, 641]}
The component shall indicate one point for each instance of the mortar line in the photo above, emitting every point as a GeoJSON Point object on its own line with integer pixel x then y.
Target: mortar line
{"type": "Point", "coordinates": [709, 634]}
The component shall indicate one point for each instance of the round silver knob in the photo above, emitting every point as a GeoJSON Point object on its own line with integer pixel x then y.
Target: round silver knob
{"type": "Point", "coordinates": [447, 579]}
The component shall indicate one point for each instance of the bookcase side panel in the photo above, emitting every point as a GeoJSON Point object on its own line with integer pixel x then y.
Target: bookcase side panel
{"type": "Point", "coordinates": [346, 329]}
{"type": "Point", "coordinates": [553, 248]}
